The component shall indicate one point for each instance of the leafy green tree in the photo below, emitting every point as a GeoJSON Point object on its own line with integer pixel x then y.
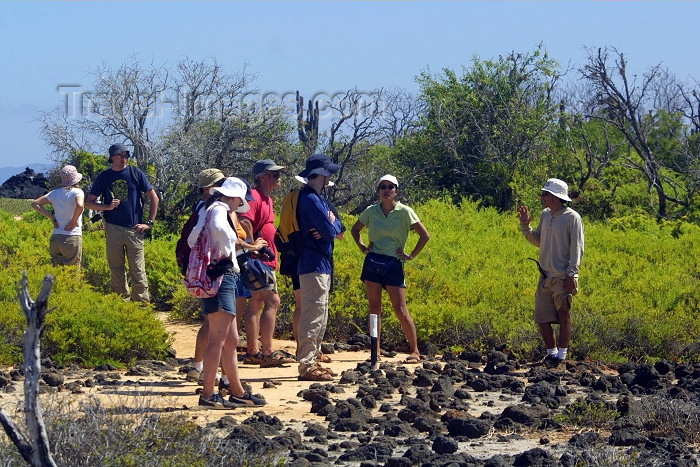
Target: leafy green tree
{"type": "Point", "coordinates": [485, 126]}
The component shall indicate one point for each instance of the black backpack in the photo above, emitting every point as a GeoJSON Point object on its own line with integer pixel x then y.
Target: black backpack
{"type": "Point", "coordinates": [182, 249]}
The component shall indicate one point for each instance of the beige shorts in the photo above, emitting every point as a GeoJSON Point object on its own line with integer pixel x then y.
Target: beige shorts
{"type": "Point", "coordinates": [549, 298]}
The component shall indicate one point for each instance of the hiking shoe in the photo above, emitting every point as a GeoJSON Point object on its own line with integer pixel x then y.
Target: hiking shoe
{"type": "Point", "coordinates": [276, 358]}
{"type": "Point", "coordinates": [193, 375]}
{"type": "Point", "coordinates": [216, 402]}
{"type": "Point", "coordinates": [224, 387]}
{"type": "Point", "coordinates": [253, 359]}
{"type": "Point", "coordinates": [553, 363]}
{"type": "Point", "coordinates": [200, 381]}
{"type": "Point", "coordinates": [247, 400]}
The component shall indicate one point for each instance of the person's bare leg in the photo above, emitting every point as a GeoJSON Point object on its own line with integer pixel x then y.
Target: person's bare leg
{"type": "Point", "coordinates": [398, 302]}
{"type": "Point", "coordinates": [565, 327]}
{"type": "Point", "coordinates": [547, 333]}
{"type": "Point", "coordinates": [219, 324]}
{"type": "Point", "coordinates": [200, 344]}
{"type": "Point", "coordinates": [268, 319]}
{"type": "Point", "coordinates": [229, 359]}
{"type": "Point", "coordinates": [374, 298]}
{"type": "Point", "coordinates": [252, 322]}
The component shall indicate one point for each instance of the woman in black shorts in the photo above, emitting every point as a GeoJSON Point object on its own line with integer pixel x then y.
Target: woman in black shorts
{"type": "Point", "coordinates": [389, 223]}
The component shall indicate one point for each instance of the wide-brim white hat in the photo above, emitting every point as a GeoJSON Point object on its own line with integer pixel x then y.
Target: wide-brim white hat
{"type": "Point", "coordinates": [305, 180]}
{"type": "Point", "coordinates": [233, 188]}
{"type": "Point", "coordinates": [558, 188]}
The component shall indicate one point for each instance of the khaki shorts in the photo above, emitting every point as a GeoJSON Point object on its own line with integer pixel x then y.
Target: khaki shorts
{"type": "Point", "coordinates": [550, 297]}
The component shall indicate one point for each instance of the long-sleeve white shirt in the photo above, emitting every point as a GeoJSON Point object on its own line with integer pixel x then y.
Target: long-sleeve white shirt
{"type": "Point", "coordinates": [560, 239]}
{"type": "Point", "coordinates": [221, 235]}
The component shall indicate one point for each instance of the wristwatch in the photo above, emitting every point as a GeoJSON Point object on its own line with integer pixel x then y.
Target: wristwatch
{"type": "Point", "coordinates": [149, 222]}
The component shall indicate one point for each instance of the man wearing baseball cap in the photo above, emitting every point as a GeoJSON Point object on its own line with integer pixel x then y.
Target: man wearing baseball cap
{"type": "Point", "coordinates": [559, 236]}
{"type": "Point", "coordinates": [120, 188]}
{"type": "Point", "coordinates": [259, 222]}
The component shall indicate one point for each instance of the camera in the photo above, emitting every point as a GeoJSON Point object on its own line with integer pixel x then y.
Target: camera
{"type": "Point", "coordinates": [266, 253]}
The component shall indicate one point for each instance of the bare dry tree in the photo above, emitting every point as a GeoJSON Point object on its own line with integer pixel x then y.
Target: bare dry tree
{"type": "Point", "coordinates": [35, 449]}
{"type": "Point", "coordinates": [636, 106]}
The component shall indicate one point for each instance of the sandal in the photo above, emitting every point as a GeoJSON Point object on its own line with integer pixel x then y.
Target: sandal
{"type": "Point", "coordinates": [276, 358]}
{"type": "Point", "coordinates": [412, 360]}
{"type": "Point", "coordinates": [253, 359]}
{"type": "Point", "coordinates": [316, 373]}
{"type": "Point", "coordinates": [325, 358]}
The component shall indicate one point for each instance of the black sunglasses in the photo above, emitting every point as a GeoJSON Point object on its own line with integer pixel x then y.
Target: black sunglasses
{"type": "Point", "coordinates": [387, 187]}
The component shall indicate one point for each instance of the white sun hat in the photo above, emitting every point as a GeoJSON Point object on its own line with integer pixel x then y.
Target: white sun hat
{"type": "Point", "coordinates": [558, 188]}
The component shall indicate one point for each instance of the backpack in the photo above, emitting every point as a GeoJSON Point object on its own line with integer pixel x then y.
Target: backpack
{"type": "Point", "coordinates": [182, 249]}
{"type": "Point", "coordinates": [197, 281]}
{"type": "Point", "coordinates": [288, 238]}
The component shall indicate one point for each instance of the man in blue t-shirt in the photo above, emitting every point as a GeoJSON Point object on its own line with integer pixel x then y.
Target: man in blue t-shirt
{"type": "Point", "coordinates": [120, 189]}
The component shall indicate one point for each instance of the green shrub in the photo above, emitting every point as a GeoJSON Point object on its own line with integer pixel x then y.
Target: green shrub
{"type": "Point", "coordinates": [584, 413]}
{"type": "Point", "coordinates": [471, 287]}
{"type": "Point", "coordinates": [16, 207]}
{"type": "Point", "coordinates": [85, 324]}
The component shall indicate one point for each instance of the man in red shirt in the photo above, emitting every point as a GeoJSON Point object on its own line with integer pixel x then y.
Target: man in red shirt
{"type": "Point", "coordinates": [259, 221]}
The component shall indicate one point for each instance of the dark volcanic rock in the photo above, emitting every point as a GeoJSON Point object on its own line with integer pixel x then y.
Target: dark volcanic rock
{"type": "Point", "coordinates": [525, 414]}
{"type": "Point", "coordinates": [53, 379]}
{"type": "Point", "coordinates": [627, 436]}
{"type": "Point", "coordinates": [362, 340]}
{"type": "Point", "coordinates": [445, 444]}
{"type": "Point", "coordinates": [419, 454]}
{"type": "Point", "coordinates": [535, 457]}
{"type": "Point", "coordinates": [468, 427]}
{"type": "Point", "coordinates": [379, 450]}
{"type": "Point", "coordinates": [26, 185]}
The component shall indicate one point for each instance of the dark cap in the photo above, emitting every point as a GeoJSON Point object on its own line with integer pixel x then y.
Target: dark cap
{"type": "Point", "coordinates": [319, 164]}
{"type": "Point", "coordinates": [117, 148]}
{"type": "Point", "coordinates": [248, 192]}
{"type": "Point", "coordinates": [265, 165]}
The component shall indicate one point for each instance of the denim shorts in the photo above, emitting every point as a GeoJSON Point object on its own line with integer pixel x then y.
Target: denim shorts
{"type": "Point", "coordinates": [225, 299]}
{"type": "Point", "coordinates": [394, 275]}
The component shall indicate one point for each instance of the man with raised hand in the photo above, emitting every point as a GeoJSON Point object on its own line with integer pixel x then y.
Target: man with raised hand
{"type": "Point", "coordinates": [559, 236]}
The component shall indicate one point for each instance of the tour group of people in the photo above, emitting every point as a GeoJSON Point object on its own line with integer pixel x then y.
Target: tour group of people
{"type": "Point", "coordinates": [240, 220]}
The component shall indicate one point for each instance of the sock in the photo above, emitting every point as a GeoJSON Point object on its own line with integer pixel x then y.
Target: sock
{"type": "Point", "coordinates": [224, 379]}
{"type": "Point", "coordinates": [561, 355]}
{"type": "Point", "coordinates": [552, 351]}
{"type": "Point", "coordinates": [199, 366]}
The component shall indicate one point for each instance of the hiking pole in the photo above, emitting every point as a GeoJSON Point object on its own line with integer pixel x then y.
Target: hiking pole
{"type": "Point", "coordinates": [373, 334]}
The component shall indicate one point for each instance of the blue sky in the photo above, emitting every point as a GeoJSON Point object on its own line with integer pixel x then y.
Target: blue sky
{"type": "Point", "coordinates": [315, 46]}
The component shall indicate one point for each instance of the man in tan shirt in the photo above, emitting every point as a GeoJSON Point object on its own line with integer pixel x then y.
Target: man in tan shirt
{"type": "Point", "coordinates": [559, 236]}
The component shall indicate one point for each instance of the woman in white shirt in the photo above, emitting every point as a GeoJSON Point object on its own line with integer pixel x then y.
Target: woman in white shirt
{"type": "Point", "coordinates": [66, 244]}
{"type": "Point", "coordinates": [220, 310]}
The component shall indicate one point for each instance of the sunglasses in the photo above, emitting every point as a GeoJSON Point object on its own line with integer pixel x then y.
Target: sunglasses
{"type": "Point", "coordinates": [121, 154]}
{"type": "Point", "coordinates": [276, 174]}
{"type": "Point", "coordinates": [387, 187]}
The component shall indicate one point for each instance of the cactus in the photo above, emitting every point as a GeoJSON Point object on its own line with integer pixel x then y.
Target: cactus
{"type": "Point", "coordinates": [307, 128]}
